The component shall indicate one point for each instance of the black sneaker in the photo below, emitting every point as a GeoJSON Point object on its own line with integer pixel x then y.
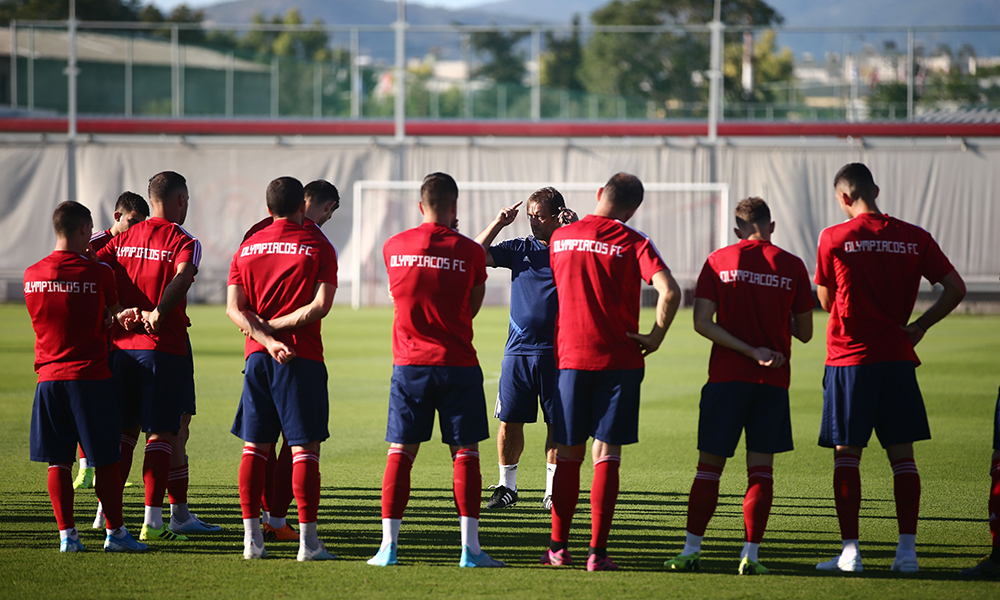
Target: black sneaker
{"type": "Point", "coordinates": [503, 497]}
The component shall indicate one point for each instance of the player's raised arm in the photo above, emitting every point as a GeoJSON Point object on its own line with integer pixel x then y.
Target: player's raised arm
{"type": "Point", "coordinates": [238, 312]}
{"type": "Point", "coordinates": [314, 311]}
{"type": "Point", "coordinates": [172, 296]}
{"type": "Point", "coordinates": [505, 217]}
{"type": "Point", "coordinates": [704, 324]}
{"type": "Point", "coordinates": [667, 303]}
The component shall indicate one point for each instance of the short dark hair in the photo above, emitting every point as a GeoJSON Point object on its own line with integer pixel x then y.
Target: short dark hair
{"type": "Point", "coordinates": [858, 180]}
{"type": "Point", "coordinates": [70, 216]}
{"type": "Point", "coordinates": [284, 196]}
{"type": "Point", "coordinates": [752, 210]}
{"type": "Point", "coordinates": [439, 191]}
{"type": "Point", "coordinates": [130, 202]}
{"type": "Point", "coordinates": [164, 185]}
{"type": "Point", "coordinates": [549, 199]}
{"type": "Point", "coordinates": [623, 191]}
{"type": "Point", "coordinates": [321, 191]}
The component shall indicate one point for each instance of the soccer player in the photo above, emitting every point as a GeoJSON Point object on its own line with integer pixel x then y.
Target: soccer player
{"type": "Point", "coordinates": [528, 370]}
{"type": "Point", "coordinates": [281, 284]}
{"type": "Point", "coordinates": [597, 264]}
{"type": "Point", "coordinates": [67, 296]}
{"type": "Point", "coordinates": [868, 271]}
{"type": "Point", "coordinates": [437, 280]}
{"type": "Point", "coordinates": [130, 209]}
{"type": "Point", "coordinates": [759, 296]}
{"type": "Point", "coordinates": [155, 262]}
{"type": "Point", "coordinates": [322, 200]}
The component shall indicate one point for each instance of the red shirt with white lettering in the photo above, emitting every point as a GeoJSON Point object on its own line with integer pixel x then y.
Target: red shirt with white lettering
{"type": "Point", "coordinates": [597, 264]}
{"type": "Point", "coordinates": [757, 287]}
{"type": "Point", "coordinates": [66, 295]}
{"type": "Point", "coordinates": [279, 268]}
{"type": "Point", "coordinates": [145, 260]}
{"type": "Point", "coordinates": [873, 265]}
{"type": "Point", "coordinates": [100, 239]}
{"type": "Point", "coordinates": [267, 221]}
{"type": "Point", "coordinates": [432, 270]}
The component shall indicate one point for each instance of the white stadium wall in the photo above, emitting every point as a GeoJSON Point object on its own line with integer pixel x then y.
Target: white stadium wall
{"type": "Point", "coordinates": [947, 186]}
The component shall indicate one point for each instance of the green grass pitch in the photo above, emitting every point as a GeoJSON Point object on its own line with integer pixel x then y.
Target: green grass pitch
{"type": "Point", "coordinates": [959, 379]}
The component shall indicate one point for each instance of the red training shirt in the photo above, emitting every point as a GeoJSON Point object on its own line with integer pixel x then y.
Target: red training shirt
{"type": "Point", "coordinates": [432, 270]}
{"type": "Point", "coordinates": [873, 265]}
{"type": "Point", "coordinates": [279, 270]}
{"type": "Point", "coordinates": [267, 221]}
{"type": "Point", "coordinates": [757, 287]}
{"type": "Point", "coordinates": [145, 260]}
{"type": "Point", "coordinates": [597, 263]}
{"type": "Point", "coordinates": [66, 295]}
{"type": "Point", "coordinates": [100, 239]}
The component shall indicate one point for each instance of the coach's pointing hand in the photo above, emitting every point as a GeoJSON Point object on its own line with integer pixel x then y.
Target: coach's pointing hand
{"type": "Point", "coordinates": [506, 216]}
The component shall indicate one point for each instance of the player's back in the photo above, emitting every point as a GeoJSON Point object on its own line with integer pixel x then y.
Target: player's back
{"type": "Point", "coordinates": [432, 270]}
{"type": "Point", "coordinates": [65, 294]}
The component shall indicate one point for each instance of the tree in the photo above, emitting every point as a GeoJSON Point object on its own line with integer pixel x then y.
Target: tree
{"type": "Point", "coordinates": [769, 67]}
{"type": "Point", "coordinates": [504, 64]}
{"type": "Point", "coordinates": [660, 65]}
{"type": "Point", "coordinates": [89, 10]}
{"type": "Point", "coordinates": [562, 59]}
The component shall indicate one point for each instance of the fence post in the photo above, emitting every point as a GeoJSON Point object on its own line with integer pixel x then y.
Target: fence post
{"type": "Point", "coordinates": [129, 50]}
{"type": "Point", "coordinates": [317, 89]}
{"type": "Point", "coordinates": [31, 68]}
{"type": "Point", "coordinates": [13, 63]}
{"type": "Point", "coordinates": [274, 86]}
{"type": "Point", "coordinates": [175, 71]}
{"type": "Point", "coordinates": [536, 75]}
{"type": "Point", "coordinates": [230, 83]}
{"type": "Point", "coordinates": [400, 108]}
{"type": "Point", "coordinates": [715, 74]}
{"type": "Point", "coordinates": [355, 75]}
{"type": "Point", "coordinates": [909, 74]}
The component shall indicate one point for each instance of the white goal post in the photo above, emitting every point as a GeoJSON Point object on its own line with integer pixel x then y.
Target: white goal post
{"type": "Point", "coordinates": [691, 216]}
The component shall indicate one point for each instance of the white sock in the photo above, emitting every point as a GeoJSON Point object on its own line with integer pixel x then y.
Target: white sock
{"type": "Point", "coordinates": [84, 463]}
{"type": "Point", "coordinates": [154, 517]}
{"type": "Point", "coordinates": [749, 551]}
{"type": "Point", "coordinates": [851, 549]}
{"type": "Point", "coordinates": [251, 532]}
{"type": "Point", "coordinates": [68, 534]}
{"type": "Point", "coordinates": [308, 535]}
{"type": "Point", "coordinates": [907, 545]}
{"type": "Point", "coordinates": [265, 517]}
{"type": "Point", "coordinates": [692, 544]}
{"type": "Point", "coordinates": [470, 533]}
{"type": "Point", "coordinates": [390, 531]}
{"type": "Point", "coordinates": [180, 513]}
{"type": "Point", "coordinates": [118, 533]}
{"type": "Point", "coordinates": [550, 475]}
{"type": "Point", "coordinates": [508, 476]}
{"type": "Point", "coordinates": [276, 522]}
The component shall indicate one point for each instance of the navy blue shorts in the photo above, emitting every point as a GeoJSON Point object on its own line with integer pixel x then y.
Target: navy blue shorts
{"type": "Point", "coordinates": [155, 388]}
{"type": "Point", "coordinates": [599, 404]}
{"type": "Point", "coordinates": [67, 412]}
{"type": "Point", "coordinates": [727, 408]}
{"type": "Point", "coordinates": [996, 425]}
{"type": "Point", "coordinates": [883, 397]}
{"type": "Point", "coordinates": [526, 381]}
{"type": "Point", "coordinates": [456, 393]}
{"type": "Point", "coordinates": [292, 398]}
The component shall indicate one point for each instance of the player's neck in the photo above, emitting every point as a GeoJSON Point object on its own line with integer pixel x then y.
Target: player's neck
{"type": "Point", "coordinates": [860, 207]}
{"type": "Point", "coordinates": [67, 245]}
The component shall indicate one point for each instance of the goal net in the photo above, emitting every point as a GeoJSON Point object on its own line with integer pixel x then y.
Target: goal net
{"type": "Point", "coordinates": [686, 221]}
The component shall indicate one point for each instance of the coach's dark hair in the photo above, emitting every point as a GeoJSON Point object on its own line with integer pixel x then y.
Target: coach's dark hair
{"type": "Point", "coordinates": [284, 196]}
{"type": "Point", "coordinates": [130, 202]}
{"type": "Point", "coordinates": [550, 200]}
{"type": "Point", "coordinates": [70, 216]}
{"type": "Point", "coordinates": [752, 210]}
{"type": "Point", "coordinates": [439, 191]}
{"type": "Point", "coordinates": [858, 180]}
{"type": "Point", "coordinates": [163, 186]}
{"type": "Point", "coordinates": [623, 191]}
{"type": "Point", "coordinates": [321, 192]}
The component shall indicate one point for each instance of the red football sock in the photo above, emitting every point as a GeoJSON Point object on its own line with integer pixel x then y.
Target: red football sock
{"type": "Point", "coordinates": [281, 489]}
{"type": "Point", "coordinates": [757, 502]}
{"type": "Point", "coordinates": [61, 494]}
{"type": "Point", "coordinates": [603, 497]}
{"type": "Point", "coordinates": [305, 484]}
{"type": "Point", "coordinates": [108, 485]}
{"type": "Point", "coordinates": [847, 493]}
{"type": "Point", "coordinates": [396, 483]}
{"type": "Point", "coordinates": [155, 470]}
{"type": "Point", "coordinates": [565, 495]}
{"type": "Point", "coordinates": [467, 480]}
{"type": "Point", "coordinates": [703, 499]}
{"type": "Point", "coordinates": [994, 504]}
{"type": "Point", "coordinates": [251, 480]}
{"type": "Point", "coordinates": [128, 443]}
{"type": "Point", "coordinates": [906, 489]}
{"type": "Point", "coordinates": [177, 485]}
{"type": "Point", "coordinates": [268, 493]}
{"type": "Point", "coordinates": [81, 451]}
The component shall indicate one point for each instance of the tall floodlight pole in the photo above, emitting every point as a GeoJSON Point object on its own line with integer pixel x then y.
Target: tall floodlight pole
{"type": "Point", "coordinates": [400, 26]}
{"type": "Point", "coordinates": [71, 73]}
{"type": "Point", "coordinates": [715, 73]}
